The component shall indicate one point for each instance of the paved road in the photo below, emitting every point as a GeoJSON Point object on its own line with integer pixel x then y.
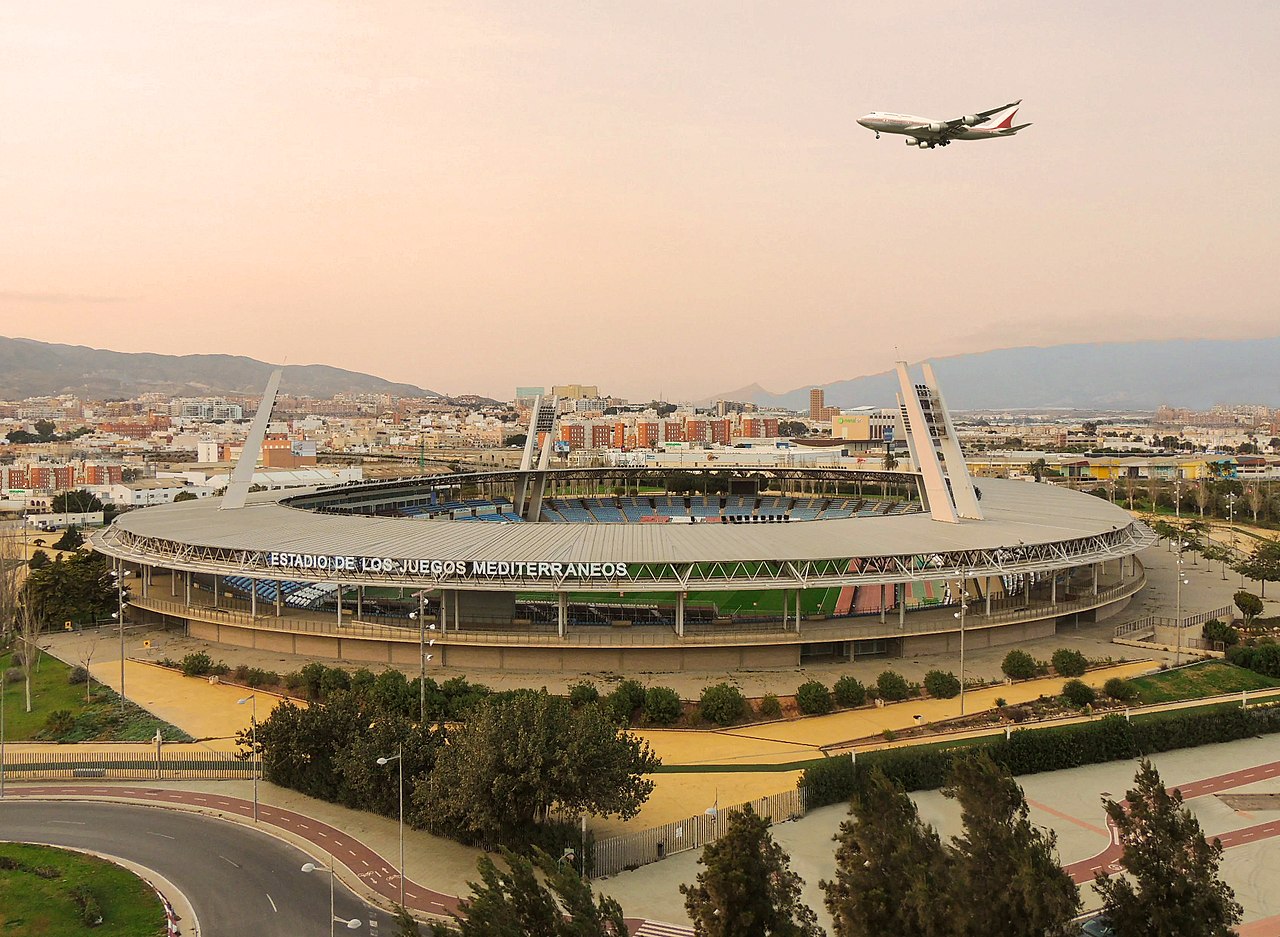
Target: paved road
{"type": "Point", "coordinates": [238, 880]}
{"type": "Point", "coordinates": [1108, 860]}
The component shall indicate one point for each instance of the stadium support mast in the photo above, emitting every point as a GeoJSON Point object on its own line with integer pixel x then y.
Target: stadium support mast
{"type": "Point", "coordinates": [935, 449]}
{"type": "Point", "coordinates": [242, 476]}
{"type": "Point", "coordinates": [540, 439]}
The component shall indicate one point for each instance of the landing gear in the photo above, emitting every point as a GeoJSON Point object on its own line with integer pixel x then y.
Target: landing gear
{"type": "Point", "coordinates": [877, 134]}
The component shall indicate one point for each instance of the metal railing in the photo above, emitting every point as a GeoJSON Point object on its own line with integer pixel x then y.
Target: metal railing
{"type": "Point", "coordinates": [631, 850]}
{"type": "Point", "coordinates": [127, 766]}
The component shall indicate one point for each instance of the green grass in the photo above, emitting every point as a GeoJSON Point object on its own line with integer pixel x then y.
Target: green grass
{"type": "Point", "coordinates": [1210, 678]}
{"type": "Point", "coordinates": [747, 602]}
{"type": "Point", "coordinates": [38, 896]}
{"type": "Point", "coordinates": [97, 720]}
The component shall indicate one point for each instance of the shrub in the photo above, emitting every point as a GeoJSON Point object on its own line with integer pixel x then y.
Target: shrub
{"type": "Point", "coordinates": [849, 691]}
{"type": "Point", "coordinates": [90, 910]}
{"type": "Point", "coordinates": [1260, 658]}
{"type": "Point", "coordinates": [241, 673]}
{"type": "Point", "coordinates": [721, 703]}
{"type": "Point", "coordinates": [813, 698]}
{"type": "Point", "coordinates": [662, 705]}
{"type": "Point", "coordinates": [59, 722]}
{"type": "Point", "coordinates": [197, 665]}
{"type": "Point", "coordinates": [582, 693]}
{"type": "Point", "coordinates": [1018, 665]}
{"type": "Point", "coordinates": [1078, 693]}
{"type": "Point", "coordinates": [889, 735]}
{"type": "Point", "coordinates": [312, 675]}
{"type": "Point", "coordinates": [1001, 702]}
{"type": "Point", "coordinates": [1069, 663]}
{"type": "Point", "coordinates": [1215, 630]}
{"type": "Point", "coordinates": [892, 686]}
{"type": "Point", "coordinates": [1249, 604]}
{"type": "Point", "coordinates": [334, 680]}
{"type": "Point", "coordinates": [293, 681]}
{"type": "Point", "coordinates": [77, 674]}
{"type": "Point", "coordinates": [941, 684]}
{"type": "Point", "coordinates": [770, 707]}
{"type": "Point", "coordinates": [626, 698]}
{"type": "Point", "coordinates": [1120, 689]}
{"type": "Point", "coordinates": [13, 675]}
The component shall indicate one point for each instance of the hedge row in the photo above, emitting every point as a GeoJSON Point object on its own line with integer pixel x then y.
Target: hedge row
{"type": "Point", "coordinates": [1032, 751]}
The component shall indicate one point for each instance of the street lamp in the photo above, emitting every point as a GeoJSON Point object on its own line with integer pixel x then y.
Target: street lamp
{"type": "Point", "coordinates": [119, 575]}
{"type": "Point", "coordinates": [333, 918]}
{"type": "Point", "coordinates": [3, 687]}
{"type": "Point", "coordinates": [1182, 581]}
{"type": "Point", "coordinates": [252, 699]}
{"type": "Point", "coordinates": [399, 757]}
{"type": "Point", "coordinates": [423, 656]}
{"type": "Point", "coordinates": [964, 607]}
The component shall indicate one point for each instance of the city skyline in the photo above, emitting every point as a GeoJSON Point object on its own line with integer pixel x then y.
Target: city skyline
{"type": "Point", "coordinates": [459, 199]}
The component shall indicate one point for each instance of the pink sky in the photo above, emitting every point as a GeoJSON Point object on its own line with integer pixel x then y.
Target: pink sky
{"type": "Point", "coordinates": [653, 197]}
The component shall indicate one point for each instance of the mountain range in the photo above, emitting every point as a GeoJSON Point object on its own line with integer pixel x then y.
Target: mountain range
{"type": "Point", "coordinates": [33, 369]}
{"type": "Point", "coordinates": [1107, 376]}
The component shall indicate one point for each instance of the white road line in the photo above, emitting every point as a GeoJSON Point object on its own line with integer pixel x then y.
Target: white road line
{"type": "Point", "coordinates": [225, 859]}
{"type": "Point", "coordinates": [165, 835]}
{"type": "Point", "coordinates": [273, 904]}
{"type": "Point", "coordinates": [69, 822]}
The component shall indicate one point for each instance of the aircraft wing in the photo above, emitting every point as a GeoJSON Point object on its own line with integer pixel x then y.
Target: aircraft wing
{"type": "Point", "coordinates": [958, 123]}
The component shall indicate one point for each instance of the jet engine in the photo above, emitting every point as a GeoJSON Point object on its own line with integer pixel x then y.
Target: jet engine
{"type": "Point", "coordinates": [937, 126]}
{"type": "Point", "coordinates": [971, 119]}
{"type": "Point", "coordinates": [912, 141]}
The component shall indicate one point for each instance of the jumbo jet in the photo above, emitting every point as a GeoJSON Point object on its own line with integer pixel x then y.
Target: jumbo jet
{"type": "Point", "coordinates": [927, 133]}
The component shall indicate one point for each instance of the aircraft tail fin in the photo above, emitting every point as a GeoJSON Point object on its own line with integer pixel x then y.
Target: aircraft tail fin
{"type": "Point", "coordinates": [1007, 123]}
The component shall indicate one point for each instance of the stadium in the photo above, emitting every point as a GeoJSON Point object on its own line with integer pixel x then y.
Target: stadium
{"type": "Point", "coordinates": [635, 569]}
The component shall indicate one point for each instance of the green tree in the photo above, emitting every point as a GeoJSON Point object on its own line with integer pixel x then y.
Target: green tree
{"type": "Point", "coordinates": [1069, 662]}
{"type": "Point", "coordinates": [79, 501]}
{"type": "Point", "coordinates": [721, 703]}
{"type": "Point", "coordinates": [849, 691]}
{"type": "Point", "coordinates": [39, 560]}
{"type": "Point", "coordinates": [184, 496]}
{"type": "Point", "coordinates": [662, 705]}
{"type": "Point", "coordinates": [1249, 604]}
{"type": "Point", "coordinates": [71, 539]}
{"type": "Point", "coordinates": [515, 903]}
{"type": "Point", "coordinates": [624, 700]}
{"type": "Point", "coordinates": [891, 868]}
{"type": "Point", "coordinates": [891, 686]}
{"type": "Point", "coordinates": [1006, 876]}
{"type": "Point", "coordinates": [406, 925]}
{"type": "Point", "coordinates": [747, 885]}
{"type": "Point", "coordinates": [1078, 693]}
{"type": "Point", "coordinates": [1172, 888]}
{"type": "Point", "coordinates": [942, 684]}
{"type": "Point", "coordinates": [523, 755]}
{"type": "Point", "coordinates": [813, 698]}
{"type": "Point", "coordinates": [1038, 469]}
{"type": "Point", "coordinates": [45, 429]}
{"type": "Point", "coordinates": [1264, 565]}
{"type": "Point", "coordinates": [74, 587]}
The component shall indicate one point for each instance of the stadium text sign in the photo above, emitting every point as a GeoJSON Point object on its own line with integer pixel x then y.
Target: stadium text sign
{"type": "Point", "coordinates": [474, 569]}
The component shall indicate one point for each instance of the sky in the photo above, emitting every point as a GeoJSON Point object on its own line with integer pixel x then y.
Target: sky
{"type": "Point", "coordinates": [659, 198]}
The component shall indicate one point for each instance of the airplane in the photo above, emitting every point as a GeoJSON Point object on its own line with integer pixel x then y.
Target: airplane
{"type": "Point", "coordinates": [927, 133]}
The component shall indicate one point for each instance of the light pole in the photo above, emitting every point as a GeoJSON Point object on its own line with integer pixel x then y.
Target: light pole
{"type": "Point", "coordinates": [1231, 523]}
{"type": "Point", "coordinates": [423, 656]}
{"type": "Point", "coordinates": [399, 758]}
{"type": "Point", "coordinates": [119, 576]}
{"type": "Point", "coordinates": [964, 607]}
{"type": "Point", "coordinates": [333, 918]}
{"type": "Point", "coordinates": [252, 699]}
{"type": "Point", "coordinates": [1182, 581]}
{"type": "Point", "coordinates": [3, 687]}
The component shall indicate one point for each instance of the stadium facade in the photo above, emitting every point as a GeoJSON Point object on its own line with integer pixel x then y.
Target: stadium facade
{"type": "Point", "coordinates": [544, 568]}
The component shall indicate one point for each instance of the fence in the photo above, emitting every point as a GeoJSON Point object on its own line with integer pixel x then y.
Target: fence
{"type": "Point", "coordinates": [611, 856]}
{"type": "Point", "coordinates": [127, 766]}
{"type": "Point", "coordinates": [1146, 627]}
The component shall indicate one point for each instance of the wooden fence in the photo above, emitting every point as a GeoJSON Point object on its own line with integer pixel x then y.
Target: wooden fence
{"type": "Point", "coordinates": [126, 766]}
{"type": "Point", "coordinates": [619, 853]}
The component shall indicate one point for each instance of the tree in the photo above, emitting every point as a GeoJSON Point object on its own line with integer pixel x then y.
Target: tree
{"type": "Point", "coordinates": [39, 560]}
{"type": "Point", "coordinates": [747, 885]}
{"type": "Point", "coordinates": [514, 903]}
{"type": "Point", "coordinates": [891, 686]}
{"type": "Point", "coordinates": [1264, 565]}
{"type": "Point", "coordinates": [11, 559]}
{"type": "Point", "coordinates": [1255, 499]}
{"type": "Point", "coordinates": [942, 684]}
{"type": "Point", "coordinates": [29, 627]}
{"type": "Point", "coordinates": [523, 755]}
{"type": "Point", "coordinates": [184, 496]}
{"type": "Point", "coordinates": [71, 539]}
{"type": "Point", "coordinates": [1038, 469]}
{"type": "Point", "coordinates": [1018, 665]}
{"type": "Point", "coordinates": [721, 703]}
{"type": "Point", "coordinates": [890, 461]}
{"type": "Point", "coordinates": [662, 705]}
{"type": "Point", "coordinates": [1006, 875]}
{"type": "Point", "coordinates": [79, 501]}
{"type": "Point", "coordinates": [45, 429]}
{"type": "Point", "coordinates": [1172, 888]}
{"type": "Point", "coordinates": [1249, 604]}
{"type": "Point", "coordinates": [1069, 662]}
{"type": "Point", "coordinates": [406, 925]}
{"type": "Point", "coordinates": [891, 868]}
{"type": "Point", "coordinates": [813, 698]}
{"type": "Point", "coordinates": [849, 691]}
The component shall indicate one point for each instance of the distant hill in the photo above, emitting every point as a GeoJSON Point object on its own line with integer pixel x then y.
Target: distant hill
{"type": "Point", "coordinates": [1111, 375]}
{"type": "Point", "coordinates": [34, 369]}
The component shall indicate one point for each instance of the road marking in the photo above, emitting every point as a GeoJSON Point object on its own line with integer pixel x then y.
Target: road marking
{"type": "Point", "coordinates": [225, 859]}
{"type": "Point", "coordinates": [273, 904]}
{"type": "Point", "coordinates": [165, 835]}
{"type": "Point", "coordinates": [69, 822]}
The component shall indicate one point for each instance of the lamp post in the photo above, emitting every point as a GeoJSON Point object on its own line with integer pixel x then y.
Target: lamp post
{"type": "Point", "coordinates": [1231, 523]}
{"type": "Point", "coordinates": [252, 699]}
{"type": "Point", "coordinates": [3, 688]}
{"type": "Point", "coordinates": [399, 758]}
{"type": "Point", "coordinates": [964, 607]}
{"type": "Point", "coordinates": [1182, 581]}
{"type": "Point", "coordinates": [333, 918]}
{"type": "Point", "coordinates": [423, 656]}
{"type": "Point", "coordinates": [119, 575]}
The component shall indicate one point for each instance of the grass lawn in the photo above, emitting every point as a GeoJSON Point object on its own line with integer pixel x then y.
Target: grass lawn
{"type": "Point", "coordinates": [1210, 678]}
{"type": "Point", "coordinates": [98, 720]}
{"type": "Point", "coordinates": [747, 602]}
{"type": "Point", "coordinates": [40, 895]}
